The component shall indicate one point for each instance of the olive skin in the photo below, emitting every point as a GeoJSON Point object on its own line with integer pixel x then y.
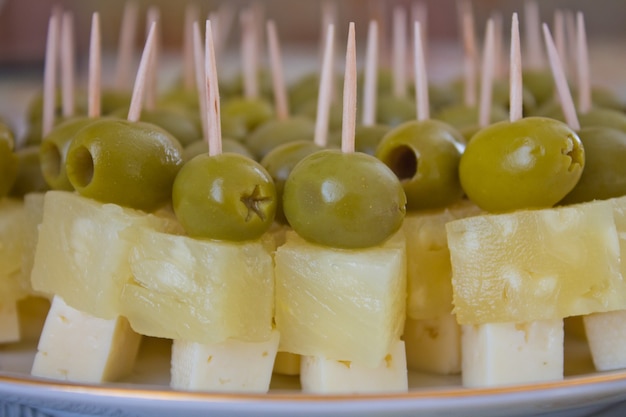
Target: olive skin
{"type": "Point", "coordinates": [8, 166]}
{"type": "Point", "coordinates": [367, 138]}
{"type": "Point", "coordinates": [309, 110]}
{"type": "Point", "coordinates": [604, 175]}
{"type": "Point", "coordinates": [181, 124]}
{"type": "Point", "coordinates": [461, 116]}
{"type": "Point", "coordinates": [228, 145]}
{"type": "Point", "coordinates": [531, 163]}
{"type": "Point", "coordinates": [224, 197]}
{"type": "Point", "coordinates": [343, 200]}
{"type": "Point", "coordinates": [425, 156]}
{"type": "Point", "coordinates": [112, 100]}
{"type": "Point", "coordinates": [279, 163]}
{"type": "Point", "coordinates": [277, 132]}
{"type": "Point", "coordinates": [540, 83]}
{"type": "Point", "coordinates": [251, 112]}
{"type": "Point", "coordinates": [393, 111]}
{"type": "Point", "coordinates": [29, 176]}
{"type": "Point", "coordinates": [53, 152]}
{"type": "Point", "coordinates": [132, 164]}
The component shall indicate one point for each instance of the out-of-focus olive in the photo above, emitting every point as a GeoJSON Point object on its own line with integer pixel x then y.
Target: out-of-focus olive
{"type": "Point", "coordinates": [277, 132]}
{"type": "Point", "coordinates": [228, 145]}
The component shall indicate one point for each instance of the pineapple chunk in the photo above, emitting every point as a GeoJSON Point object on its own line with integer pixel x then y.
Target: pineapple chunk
{"type": "Point", "coordinates": [230, 366]}
{"type": "Point", "coordinates": [326, 376]}
{"type": "Point", "coordinates": [82, 251]}
{"type": "Point", "coordinates": [512, 353]}
{"type": "Point", "coordinates": [78, 347]}
{"type": "Point", "coordinates": [606, 332]}
{"type": "Point", "coordinates": [340, 304]}
{"type": "Point", "coordinates": [33, 216]}
{"type": "Point", "coordinates": [197, 290]}
{"type": "Point", "coordinates": [11, 250]}
{"type": "Point", "coordinates": [433, 345]}
{"type": "Point", "coordinates": [429, 272]}
{"type": "Point", "coordinates": [536, 264]}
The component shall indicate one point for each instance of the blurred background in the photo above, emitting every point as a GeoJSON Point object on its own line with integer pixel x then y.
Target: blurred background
{"type": "Point", "coordinates": [23, 22]}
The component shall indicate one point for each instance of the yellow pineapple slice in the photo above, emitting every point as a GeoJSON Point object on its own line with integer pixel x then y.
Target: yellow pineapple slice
{"type": "Point", "coordinates": [11, 250]}
{"type": "Point", "coordinates": [340, 304]}
{"type": "Point", "coordinates": [606, 331]}
{"type": "Point", "coordinates": [82, 251]}
{"type": "Point", "coordinates": [536, 264]}
{"type": "Point", "coordinates": [202, 291]}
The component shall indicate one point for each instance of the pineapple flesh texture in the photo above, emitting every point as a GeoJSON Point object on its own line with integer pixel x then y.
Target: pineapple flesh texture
{"type": "Point", "coordinates": [429, 272]}
{"type": "Point", "coordinates": [11, 250]}
{"type": "Point", "coordinates": [82, 251]}
{"type": "Point", "coordinates": [201, 291]}
{"type": "Point", "coordinates": [346, 305]}
{"type": "Point", "coordinates": [536, 264]}
{"type": "Point", "coordinates": [606, 332]}
{"type": "Point", "coordinates": [33, 215]}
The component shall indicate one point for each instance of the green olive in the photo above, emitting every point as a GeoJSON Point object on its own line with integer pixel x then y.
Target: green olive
{"type": "Point", "coordinates": [367, 138]}
{"type": "Point", "coordinates": [603, 118]}
{"type": "Point", "coordinates": [280, 161]}
{"type": "Point", "coordinates": [183, 125]}
{"type": "Point", "coordinates": [224, 197]}
{"type": "Point", "coordinates": [306, 90]}
{"type": "Point", "coordinates": [53, 152]}
{"type": "Point", "coordinates": [228, 145]}
{"type": "Point", "coordinates": [251, 112]}
{"type": "Point", "coordinates": [393, 111]}
{"type": "Point", "coordinates": [34, 111]}
{"type": "Point", "coordinates": [112, 100]}
{"type": "Point", "coordinates": [540, 83]}
{"type": "Point", "coordinates": [531, 163]}
{"type": "Point", "coordinates": [277, 132]}
{"type": "Point", "coordinates": [343, 200]}
{"type": "Point", "coordinates": [425, 157]}
{"type": "Point", "coordinates": [604, 175]}
{"type": "Point", "coordinates": [309, 110]}
{"type": "Point", "coordinates": [29, 176]}
{"type": "Point", "coordinates": [461, 116]}
{"type": "Point", "coordinates": [501, 97]}
{"type": "Point", "coordinates": [235, 87]}
{"type": "Point", "coordinates": [8, 166]}
{"type": "Point", "coordinates": [384, 82]}
{"type": "Point", "coordinates": [233, 127]}
{"type": "Point", "coordinates": [126, 163]}
{"type": "Point", "coordinates": [180, 98]}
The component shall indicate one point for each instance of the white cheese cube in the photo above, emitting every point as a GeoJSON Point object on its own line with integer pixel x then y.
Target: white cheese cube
{"type": "Point", "coordinates": [433, 345]}
{"type": "Point", "coordinates": [228, 366]}
{"type": "Point", "coordinates": [496, 354]}
{"type": "Point", "coordinates": [606, 334]}
{"type": "Point", "coordinates": [327, 376]}
{"type": "Point", "coordinates": [76, 346]}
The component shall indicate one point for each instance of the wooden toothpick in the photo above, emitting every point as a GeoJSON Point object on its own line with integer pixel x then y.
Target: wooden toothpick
{"type": "Point", "coordinates": [325, 93]}
{"type": "Point", "coordinates": [349, 95]}
{"type": "Point", "coordinates": [421, 76]}
{"type": "Point", "coordinates": [370, 82]}
{"type": "Point", "coordinates": [198, 58]}
{"type": "Point", "coordinates": [560, 79]}
{"type": "Point", "coordinates": [136, 101]}
{"type": "Point", "coordinates": [67, 64]}
{"type": "Point", "coordinates": [584, 73]}
{"type": "Point", "coordinates": [281, 102]}
{"type": "Point", "coordinates": [95, 69]}
{"type": "Point", "coordinates": [399, 51]}
{"type": "Point", "coordinates": [486, 82]}
{"type": "Point", "coordinates": [126, 46]}
{"type": "Point", "coordinates": [213, 96]}
{"type": "Point", "coordinates": [515, 74]}
{"type": "Point", "coordinates": [49, 75]}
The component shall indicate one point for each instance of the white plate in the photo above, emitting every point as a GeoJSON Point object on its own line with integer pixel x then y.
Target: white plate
{"type": "Point", "coordinates": [583, 392]}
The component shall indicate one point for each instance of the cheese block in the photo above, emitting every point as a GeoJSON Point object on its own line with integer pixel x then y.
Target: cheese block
{"type": "Point", "coordinates": [201, 291]}
{"type": "Point", "coordinates": [340, 304]}
{"type": "Point", "coordinates": [9, 322]}
{"type": "Point", "coordinates": [11, 250]}
{"type": "Point", "coordinates": [33, 216]}
{"type": "Point", "coordinates": [433, 345]}
{"type": "Point", "coordinates": [78, 347]}
{"type": "Point", "coordinates": [82, 251]}
{"type": "Point", "coordinates": [321, 375]}
{"type": "Point", "coordinates": [228, 366]}
{"type": "Point", "coordinates": [498, 354]}
{"type": "Point", "coordinates": [536, 264]}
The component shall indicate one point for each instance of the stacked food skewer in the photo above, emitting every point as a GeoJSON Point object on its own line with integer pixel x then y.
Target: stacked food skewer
{"type": "Point", "coordinates": [260, 238]}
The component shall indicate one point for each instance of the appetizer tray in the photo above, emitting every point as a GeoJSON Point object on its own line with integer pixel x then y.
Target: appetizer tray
{"type": "Point", "coordinates": [146, 391]}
